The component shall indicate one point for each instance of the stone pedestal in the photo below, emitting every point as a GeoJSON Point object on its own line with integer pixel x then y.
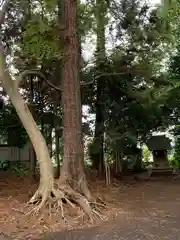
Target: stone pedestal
{"type": "Point", "coordinates": [161, 165]}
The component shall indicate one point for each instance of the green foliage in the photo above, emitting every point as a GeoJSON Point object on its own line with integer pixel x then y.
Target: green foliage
{"type": "Point", "coordinates": [11, 129]}
{"type": "Point", "coordinates": [170, 12]}
{"type": "Point", "coordinates": [136, 87]}
{"type": "Point", "coordinates": [41, 40]}
{"type": "Point", "coordinates": [174, 164]}
{"type": "Point", "coordinates": [93, 148]}
{"type": "Point", "coordinates": [49, 5]}
{"type": "Point", "coordinates": [146, 154]}
{"type": "Point", "coordinates": [176, 160]}
{"type": "Point", "coordinates": [137, 165]}
{"type": "Point", "coordinates": [85, 18]}
{"type": "Point", "coordinates": [4, 165]}
{"type": "Point", "coordinates": [136, 66]}
{"type": "Point", "coordinates": [41, 32]}
{"type": "Point", "coordinates": [173, 100]}
{"type": "Point", "coordinates": [123, 148]}
{"type": "Point", "coordinates": [19, 169]}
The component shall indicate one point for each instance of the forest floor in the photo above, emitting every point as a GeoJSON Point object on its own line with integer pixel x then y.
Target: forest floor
{"type": "Point", "coordinates": [136, 210]}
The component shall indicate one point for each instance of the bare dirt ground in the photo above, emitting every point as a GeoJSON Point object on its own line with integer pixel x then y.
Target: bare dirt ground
{"type": "Point", "coordinates": [136, 210]}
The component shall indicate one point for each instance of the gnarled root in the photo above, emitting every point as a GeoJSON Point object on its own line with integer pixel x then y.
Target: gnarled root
{"type": "Point", "coordinates": [65, 194]}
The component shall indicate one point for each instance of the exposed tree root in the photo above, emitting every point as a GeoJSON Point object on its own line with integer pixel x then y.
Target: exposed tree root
{"type": "Point", "coordinates": [57, 196]}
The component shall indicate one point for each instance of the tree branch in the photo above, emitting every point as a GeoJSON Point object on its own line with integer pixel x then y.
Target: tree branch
{"type": "Point", "coordinates": [102, 75]}
{"type": "Point", "coordinates": [21, 78]}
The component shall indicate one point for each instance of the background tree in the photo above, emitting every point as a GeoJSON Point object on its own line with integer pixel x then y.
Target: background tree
{"type": "Point", "coordinates": [135, 83]}
{"type": "Point", "coordinates": [101, 21]}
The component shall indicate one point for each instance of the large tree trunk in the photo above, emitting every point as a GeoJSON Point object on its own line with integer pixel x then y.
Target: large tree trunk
{"type": "Point", "coordinates": [73, 179]}
{"type": "Point", "coordinates": [101, 9]}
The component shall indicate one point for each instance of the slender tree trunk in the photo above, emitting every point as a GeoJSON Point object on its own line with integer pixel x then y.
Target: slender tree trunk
{"type": "Point", "coordinates": [98, 159]}
{"type": "Point", "coordinates": [37, 139]}
{"type": "Point", "coordinates": [100, 15]}
{"type": "Point", "coordinates": [57, 154]}
{"type": "Point", "coordinates": [72, 172]}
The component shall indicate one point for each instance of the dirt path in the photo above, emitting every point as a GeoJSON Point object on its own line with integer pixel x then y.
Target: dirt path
{"type": "Point", "coordinates": [152, 215]}
{"type": "Point", "coordinates": [168, 229]}
{"type": "Point", "coordinates": [141, 211]}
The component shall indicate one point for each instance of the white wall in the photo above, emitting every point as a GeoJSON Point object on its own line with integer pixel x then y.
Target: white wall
{"type": "Point", "coordinates": [14, 153]}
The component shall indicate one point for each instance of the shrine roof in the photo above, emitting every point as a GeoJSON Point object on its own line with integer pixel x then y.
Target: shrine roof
{"type": "Point", "coordinates": [159, 142]}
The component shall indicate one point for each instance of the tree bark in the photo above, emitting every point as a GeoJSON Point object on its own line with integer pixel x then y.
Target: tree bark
{"type": "Point", "coordinates": [57, 154]}
{"type": "Point", "coordinates": [72, 172]}
{"type": "Point", "coordinates": [32, 162]}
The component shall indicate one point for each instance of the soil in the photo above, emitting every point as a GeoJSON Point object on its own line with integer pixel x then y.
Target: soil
{"type": "Point", "coordinates": [135, 210]}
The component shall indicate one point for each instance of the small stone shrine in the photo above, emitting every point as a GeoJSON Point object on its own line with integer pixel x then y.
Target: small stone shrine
{"type": "Point", "coordinates": [159, 146]}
